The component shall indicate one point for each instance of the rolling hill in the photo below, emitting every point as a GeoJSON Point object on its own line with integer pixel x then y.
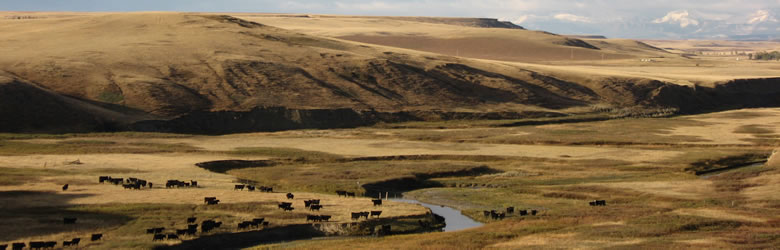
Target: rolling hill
{"type": "Point", "coordinates": [119, 71]}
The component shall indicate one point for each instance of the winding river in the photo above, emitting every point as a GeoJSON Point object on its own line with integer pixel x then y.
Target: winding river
{"type": "Point", "coordinates": [453, 218]}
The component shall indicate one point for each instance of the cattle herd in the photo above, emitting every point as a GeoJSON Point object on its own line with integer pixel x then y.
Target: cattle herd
{"type": "Point", "coordinates": [252, 188]}
{"type": "Point", "coordinates": [49, 244]}
{"type": "Point", "coordinates": [496, 215]}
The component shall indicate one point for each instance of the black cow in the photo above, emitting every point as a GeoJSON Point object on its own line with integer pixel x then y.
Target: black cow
{"type": "Point", "coordinates": [365, 214]}
{"type": "Point", "coordinates": [341, 192]}
{"type": "Point", "coordinates": [592, 203]}
{"type": "Point", "coordinates": [102, 179]}
{"type": "Point", "coordinates": [288, 209]}
{"type": "Point", "coordinates": [315, 207]}
{"type": "Point", "coordinates": [150, 230]}
{"type": "Point", "coordinates": [486, 213]}
{"type": "Point", "coordinates": [191, 220]}
{"type": "Point", "coordinates": [285, 204]}
{"type": "Point", "coordinates": [258, 220]}
{"type": "Point", "coordinates": [265, 223]}
{"type": "Point", "coordinates": [315, 202]}
{"type": "Point", "coordinates": [307, 203]}
{"type": "Point", "coordinates": [159, 230]}
{"type": "Point", "coordinates": [181, 231]}
{"type": "Point", "coordinates": [18, 246]}
{"type": "Point", "coordinates": [356, 216]}
{"type": "Point", "coordinates": [250, 188]}
{"type": "Point", "coordinates": [173, 237]}
{"type": "Point", "coordinates": [601, 203]}
{"type": "Point", "coordinates": [3, 246]}
{"type": "Point", "coordinates": [351, 194]}
{"type": "Point", "coordinates": [290, 196]}
{"type": "Point", "coordinates": [376, 213]}
{"type": "Point", "coordinates": [377, 202]}
{"type": "Point", "coordinates": [150, 185]}
{"type": "Point", "coordinates": [510, 210]}
{"type": "Point", "coordinates": [193, 183]}
{"type": "Point", "coordinates": [51, 244]}
{"type": "Point", "coordinates": [243, 225]}
{"type": "Point", "coordinates": [533, 212]}
{"type": "Point", "coordinates": [239, 187]}
{"type": "Point", "coordinates": [37, 244]}
{"type": "Point", "coordinates": [207, 199]}
{"type": "Point", "coordinates": [212, 202]}
{"type": "Point", "coordinates": [325, 217]}
{"type": "Point", "coordinates": [65, 187]}
{"type": "Point", "coordinates": [158, 237]}
{"type": "Point", "coordinates": [96, 237]}
{"type": "Point", "coordinates": [69, 220]}
{"type": "Point", "coordinates": [523, 212]}
{"type": "Point", "coordinates": [312, 217]}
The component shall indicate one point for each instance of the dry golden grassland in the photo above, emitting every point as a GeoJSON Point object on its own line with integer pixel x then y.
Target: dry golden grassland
{"type": "Point", "coordinates": [640, 166]}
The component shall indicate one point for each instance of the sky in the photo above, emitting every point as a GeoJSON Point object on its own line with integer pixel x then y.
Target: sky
{"type": "Point", "coordinates": [613, 18]}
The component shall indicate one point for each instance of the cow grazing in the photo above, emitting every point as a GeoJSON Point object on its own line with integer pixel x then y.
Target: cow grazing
{"type": "Point", "coordinates": [96, 237]}
{"type": "Point", "coordinates": [69, 220]}
{"type": "Point", "coordinates": [285, 204]}
{"type": "Point", "coordinates": [592, 203]}
{"type": "Point", "coordinates": [341, 193]}
{"type": "Point", "coordinates": [265, 223]}
{"type": "Point", "coordinates": [315, 207]}
{"type": "Point", "coordinates": [103, 179]}
{"type": "Point", "coordinates": [193, 183]}
{"type": "Point", "coordinates": [239, 187]}
{"type": "Point", "coordinates": [37, 244]}
{"type": "Point", "coordinates": [356, 216]}
{"type": "Point", "coordinates": [65, 187]}
{"type": "Point", "coordinates": [181, 231]}
{"type": "Point", "coordinates": [315, 202]}
{"type": "Point", "coordinates": [51, 244]}
{"type": "Point", "coordinates": [250, 188]}
{"type": "Point", "coordinates": [351, 194]}
{"type": "Point", "coordinates": [212, 202]}
{"type": "Point", "coordinates": [150, 230]}
{"type": "Point", "coordinates": [18, 246]}
{"type": "Point", "coordinates": [159, 230]}
{"type": "Point", "coordinates": [325, 217]}
{"type": "Point", "coordinates": [173, 237]}
{"type": "Point", "coordinates": [376, 213]}
{"type": "Point", "coordinates": [523, 212]}
{"type": "Point", "coordinates": [312, 217]}
{"type": "Point", "coordinates": [510, 210]}
{"type": "Point", "coordinates": [307, 203]}
{"type": "Point", "coordinates": [243, 225]}
{"type": "Point", "coordinates": [150, 185]}
{"type": "Point", "coordinates": [533, 212]}
{"type": "Point", "coordinates": [377, 202]}
{"type": "Point", "coordinates": [601, 203]}
{"type": "Point", "coordinates": [191, 220]}
{"type": "Point", "coordinates": [158, 237]}
{"type": "Point", "coordinates": [207, 199]}
{"type": "Point", "coordinates": [365, 214]}
{"type": "Point", "coordinates": [290, 196]}
{"type": "Point", "coordinates": [486, 213]}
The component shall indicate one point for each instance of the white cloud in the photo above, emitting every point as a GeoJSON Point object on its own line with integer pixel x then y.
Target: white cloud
{"type": "Point", "coordinates": [680, 16]}
{"type": "Point", "coordinates": [761, 16]}
{"type": "Point", "coordinates": [572, 18]}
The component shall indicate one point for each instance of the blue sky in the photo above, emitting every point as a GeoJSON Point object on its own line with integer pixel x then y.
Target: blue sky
{"type": "Point", "coordinates": [615, 18]}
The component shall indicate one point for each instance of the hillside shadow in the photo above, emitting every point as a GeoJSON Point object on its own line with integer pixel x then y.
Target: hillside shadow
{"type": "Point", "coordinates": [27, 214]}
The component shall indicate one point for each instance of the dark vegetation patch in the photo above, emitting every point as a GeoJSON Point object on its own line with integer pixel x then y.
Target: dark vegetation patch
{"type": "Point", "coordinates": [226, 165]}
{"type": "Point", "coordinates": [730, 162]}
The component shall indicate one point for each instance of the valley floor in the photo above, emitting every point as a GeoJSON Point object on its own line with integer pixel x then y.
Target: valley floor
{"type": "Point", "coordinates": [659, 177]}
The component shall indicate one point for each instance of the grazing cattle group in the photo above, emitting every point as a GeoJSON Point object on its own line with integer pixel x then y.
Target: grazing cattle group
{"type": "Point", "coordinates": [357, 215]}
{"type": "Point", "coordinates": [493, 214]}
{"type": "Point", "coordinates": [286, 206]}
{"type": "Point", "coordinates": [252, 188]}
{"type": "Point", "coordinates": [345, 193]}
{"type": "Point", "coordinates": [129, 183]}
{"type": "Point", "coordinates": [180, 184]}
{"type": "Point", "coordinates": [49, 244]}
{"type": "Point", "coordinates": [598, 203]}
{"type": "Point", "coordinates": [318, 218]}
